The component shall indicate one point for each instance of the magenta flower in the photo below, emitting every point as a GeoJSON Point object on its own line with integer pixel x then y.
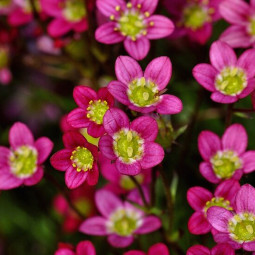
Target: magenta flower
{"type": "Point", "coordinates": [201, 200]}
{"type": "Point", "coordinates": [119, 183]}
{"type": "Point", "coordinates": [227, 78]}
{"type": "Point", "coordinates": [241, 16]}
{"type": "Point", "coordinates": [226, 157]}
{"type": "Point", "coordinates": [130, 144]}
{"type": "Point", "coordinates": [78, 160]}
{"type": "Point", "coordinates": [120, 221]}
{"type": "Point", "coordinates": [68, 15]}
{"type": "Point", "coordinates": [22, 163]}
{"type": "Point", "coordinates": [91, 110]}
{"type": "Point", "coordinates": [219, 249]}
{"type": "Point", "coordinates": [194, 18]}
{"type": "Point", "coordinates": [142, 92]}
{"type": "Point", "coordinates": [83, 248]}
{"type": "Point", "coordinates": [132, 23]}
{"type": "Point", "coordinates": [156, 249]}
{"type": "Point", "coordinates": [236, 228]}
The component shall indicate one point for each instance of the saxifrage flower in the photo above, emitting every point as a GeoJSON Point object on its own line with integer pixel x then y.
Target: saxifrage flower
{"type": "Point", "coordinates": [219, 249]}
{"type": "Point", "coordinates": [156, 249]}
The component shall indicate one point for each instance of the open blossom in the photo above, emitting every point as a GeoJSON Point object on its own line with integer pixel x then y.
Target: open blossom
{"type": "Point", "coordinates": [201, 199]}
{"type": "Point", "coordinates": [156, 249]}
{"type": "Point", "coordinates": [142, 91]}
{"type": "Point", "coordinates": [83, 248]}
{"type": "Point", "coordinates": [22, 163]}
{"type": "Point", "coordinates": [241, 16]}
{"type": "Point", "coordinates": [78, 160]}
{"type": "Point", "coordinates": [120, 221]}
{"type": "Point", "coordinates": [237, 228]}
{"type": "Point", "coordinates": [132, 23]}
{"type": "Point", "coordinates": [226, 157]}
{"type": "Point", "coordinates": [219, 249]}
{"type": "Point", "coordinates": [68, 15]}
{"type": "Point", "coordinates": [194, 18]}
{"type": "Point", "coordinates": [131, 145]}
{"type": "Point", "coordinates": [228, 78]}
{"type": "Point", "coordinates": [91, 110]}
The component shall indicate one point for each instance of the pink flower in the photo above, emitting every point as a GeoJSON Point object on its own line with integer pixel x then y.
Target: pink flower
{"type": "Point", "coordinates": [78, 160]}
{"type": "Point", "coordinates": [236, 228]}
{"type": "Point", "coordinates": [6, 6]}
{"type": "Point", "coordinates": [219, 249]}
{"type": "Point", "coordinates": [130, 144]}
{"type": "Point", "coordinates": [22, 163]}
{"type": "Point", "coordinates": [194, 18]}
{"type": "Point", "coordinates": [68, 15]}
{"type": "Point", "coordinates": [201, 200]}
{"type": "Point", "coordinates": [227, 78]}
{"type": "Point", "coordinates": [5, 76]}
{"type": "Point", "coordinates": [120, 221]}
{"type": "Point", "coordinates": [83, 248]}
{"type": "Point", "coordinates": [226, 157]}
{"type": "Point", "coordinates": [142, 92]}
{"type": "Point", "coordinates": [132, 23]}
{"type": "Point", "coordinates": [119, 183]}
{"type": "Point", "coordinates": [91, 110]}
{"type": "Point", "coordinates": [156, 249]}
{"type": "Point", "coordinates": [241, 16]}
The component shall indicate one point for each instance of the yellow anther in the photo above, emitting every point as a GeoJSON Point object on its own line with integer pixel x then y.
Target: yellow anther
{"type": "Point", "coordinates": [116, 29]}
{"type": "Point", "coordinates": [147, 14]}
{"type": "Point", "coordinates": [91, 102]}
{"type": "Point", "coordinates": [99, 101]}
{"type": "Point", "coordinates": [88, 115]}
{"type": "Point", "coordinates": [129, 5]}
{"type": "Point", "coordinates": [139, 6]}
{"type": "Point", "coordinates": [105, 102]}
{"type": "Point", "coordinates": [146, 95]}
{"type": "Point", "coordinates": [71, 157]}
{"type": "Point", "coordinates": [78, 169]}
{"type": "Point", "coordinates": [89, 108]}
{"type": "Point", "coordinates": [143, 81]}
{"type": "Point", "coordinates": [129, 136]}
{"type": "Point", "coordinates": [249, 228]}
{"type": "Point", "coordinates": [211, 10]}
{"type": "Point", "coordinates": [237, 218]}
{"type": "Point", "coordinates": [234, 71]}
{"type": "Point", "coordinates": [130, 151]}
{"type": "Point", "coordinates": [133, 38]}
{"type": "Point", "coordinates": [144, 32]}
{"type": "Point", "coordinates": [112, 17]}
{"type": "Point", "coordinates": [74, 165]}
{"type": "Point", "coordinates": [151, 23]}
{"type": "Point", "coordinates": [117, 8]}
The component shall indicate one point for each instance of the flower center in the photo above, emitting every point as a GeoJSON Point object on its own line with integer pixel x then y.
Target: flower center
{"type": "Point", "coordinates": [97, 110]}
{"type": "Point", "coordinates": [195, 16]}
{"type": "Point", "coordinates": [242, 227]}
{"type": "Point", "coordinates": [128, 145]}
{"type": "Point", "coordinates": [143, 93]}
{"type": "Point", "coordinates": [127, 184]}
{"type": "Point", "coordinates": [124, 222]}
{"type": "Point", "coordinates": [82, 159]}
{"type": "Point", "coordinates": [231, 81]}
{"type": "Point", "coordinates": [217, 201]}
{"type": "Point", "coordinates": [23, 161]}
{"type": "Point", "coordinates": [74, 10]}
{"type": "Point", "coordinates": [225, 163]}
{"type": "Point", "coordinates": [3, 58]}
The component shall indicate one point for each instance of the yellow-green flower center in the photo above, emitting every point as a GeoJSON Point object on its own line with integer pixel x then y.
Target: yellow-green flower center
{"type": "Point", "coordinates": [242, 227]}
{"type": "Point", "coordinates": [4, 3]}
{"type": "Point", "coordinates": [3, 58]}
{"type": "Point", "coordinates": [218, 201]}
{"type": "Point", "coordinates": [124, 222]}
{"type": "Point", "coordinates": [225, 163]}
{"type": "Point", "coordinates": [143, 93]}
{"type": "Point", "coordinates": [128, 145]}
{"type": "Point", "coordinates": [97, 110]}
{"type": "Point", "coordinates": [23, 161]}
{"type": "Point", "coordinates": [231, 81]}
{"type": "Point", "coordinates": [82, 159]}
{"type": "Point", "coordinates": [127, 184]}
{"type": "Point", "coordinates": [74, 10]}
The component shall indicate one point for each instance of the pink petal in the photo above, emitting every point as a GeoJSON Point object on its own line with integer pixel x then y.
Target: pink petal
{"type": "Point", "coordinates": [207, 172]}
{"type": "Point", "coordinates": [72, 139]}
{"type": "Point", "coordinates": [169, 104]}
{"type": "Point", "coordinates": [146, 127]}
{"type": "Point", "coordinates": [44, 147]}
{"type": "Point", "coordinates": [59, 27]}
{"type": "Point", "coordinates": [137, 49]}
{"type": "Point", "coordinates": [208, 144]}
{"type": "Point", "coordinates": [104, 94]}
{"type": "Point", "coordinates": [35, 178]}
{"type": "Point", "coordinates": [107, 7]}
{"type": "Point", "coordinates": [119, 91]}
{"type": "Point", "coordinates": [150, 224]}
{"type": "Point", "coordinates": [93, 175]}
{"type": "Point", "coordinates": [95, 226]}
{"type": "Point", "coordinates": [224, 99]}
{"type": "Point", "coordinates": [162, 27]}
{"type": "Point", "coordinates": [128, 169]}
{"type": "Point", "coordinates": [51, 7]}
{"type": "Point", "coordinates": [74, 179]}
{"type": "Point", "coordinates": [225, 238]}
{"type": "Point", "coordinates": [249, 89]}
{"type": "Point", "coordinates": [201, 35]}
{"type": "Point", "coordinates": [205, 75]}
{"type": "Point", "coordinates": [134, 253]}
{"type": "Point", "coordinates": [219, 218]}
{"type": "Point", "coordinates": [106, 34]}
{"type": "Point", "coordinates": [222, 55]}
{"type": "Point", "coordinates": [198, 250]}
{"type": "Point", "coordinates": [248, 161]}
{"type": "Point", "coordinates": [222, 249]}
{"type": "Point", "coordinates": [198, 224]}
{"type": "Point", "coordinates": [197, 197]}
{"type": "Point", "coordinates": [85, 248]}
{"type": "Point", "coordinates": [253, 99]}
{"type": "Point", "coordinates": [81, 26]}
{"type": "Point", "coordinates": [83, 95]}
{"type": "Point", "coordinates": [235, 138]}
{"type": "Point", "coordinates": [95, 130]}
{"type": "Point", "coordinates": [144, 110]}
{"type": "Point", "coordinates": [146, 5]}
{"type": "Point", "coordinates": [8, 180]}
{"type": "Point", "coordinates": [61, 159]}
{"type": "Point", "coordinates": [19, 135]}
{"type": "Point", "coordinates": [114, 120]}
{"type": "Point", "coordinates": [158, 248]}
{"type": "Point", "coordinates": [77, 118]}
{"type": "Point", "coordinates": [159, 70]}
{"type": "Point", "coordinates": [246, 60]}
{"type": "Point", "coordinates": [120, 241]}
{"type": "Point", "coordinates": [18, 17]}
{"type": "Point", "coordinates": [127, 69]}
{"type": "Point", "coordinates": [249, 246]}
{"type": "Point", "coordinates": [106, 147]}
{"type": "Point", "coordinates": [153, 155]}
{"type": "Point", "coordinates": [4, 157]}
{"type": "Point", "coordinates": [64, 251]}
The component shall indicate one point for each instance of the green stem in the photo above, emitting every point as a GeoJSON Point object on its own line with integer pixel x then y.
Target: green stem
{"type": "Point", "coordinates": [229, 115]}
